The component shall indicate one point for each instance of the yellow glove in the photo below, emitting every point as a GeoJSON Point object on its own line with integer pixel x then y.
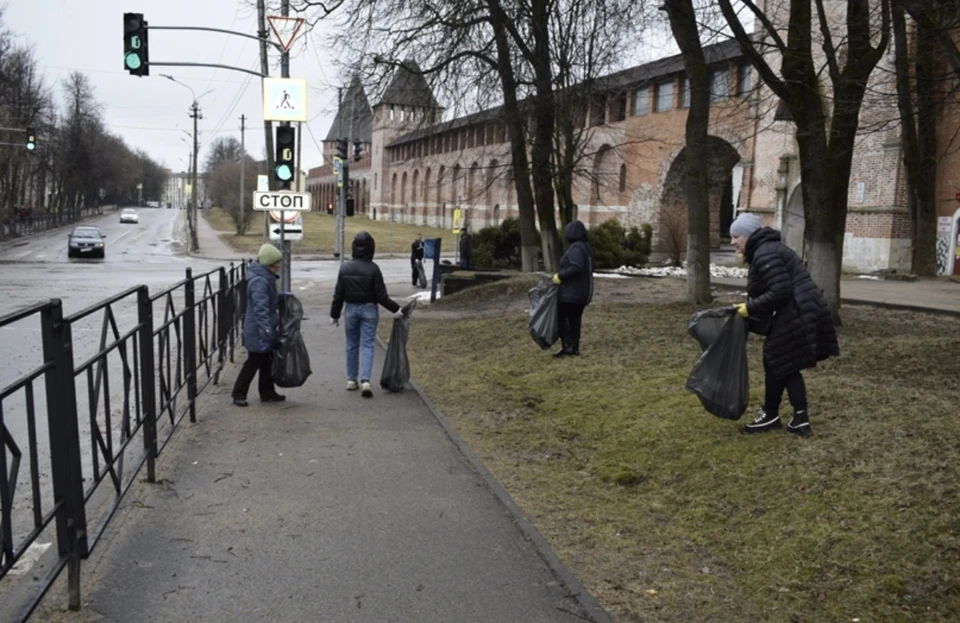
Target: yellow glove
{"type": "Point", "coordinates": [742, 310]}
{"type": "Point", "coordinates": [556, 279]}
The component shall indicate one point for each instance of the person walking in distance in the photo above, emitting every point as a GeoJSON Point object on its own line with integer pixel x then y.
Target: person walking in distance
{"type": "Point", "coordinates": [361, 288]}
{"type": "Point", "coordinates": [416, 257]}
{"type": "Point", "coordinates": [260, 327]}
{"type": "Point", "coordinates": [575, 278]}
{"type": "Point", "coordinates": [465, 248]}
{"type": "Point", "coordinates": [785, 302]}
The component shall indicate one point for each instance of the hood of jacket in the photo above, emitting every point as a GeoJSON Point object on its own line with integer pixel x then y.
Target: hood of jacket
{"type": "Point", "coordinates": [363, 246]}
{"type": "Point", "coordinates": [757, 238]}
{"type": "Point", "coordinates": [575, 231]}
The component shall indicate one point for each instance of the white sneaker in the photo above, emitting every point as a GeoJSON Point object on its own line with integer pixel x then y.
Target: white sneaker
{"type": "Point", "coordinates": [366, 390]}
{"type": "Point", "coordinates": [352, 386]}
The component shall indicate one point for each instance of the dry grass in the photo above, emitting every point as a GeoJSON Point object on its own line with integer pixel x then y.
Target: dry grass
{"type": "Point", "coordinates": [669, 514]}
{"type": "Point", "coordinates": [319, 232]}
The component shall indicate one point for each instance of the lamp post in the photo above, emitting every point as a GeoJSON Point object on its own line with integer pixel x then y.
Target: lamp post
{"type": "Point", "coordinates": [195, 115]}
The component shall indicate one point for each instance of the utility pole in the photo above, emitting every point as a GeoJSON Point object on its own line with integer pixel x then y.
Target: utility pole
{"type": "Point", "coordinates": [243, 170]}
{"type": "Point", "coordinates": [194, 243]}
{"type": "Point", "coordinates": [263, 34]}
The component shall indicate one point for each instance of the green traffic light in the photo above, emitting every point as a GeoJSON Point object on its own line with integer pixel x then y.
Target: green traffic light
{"type": "Point", "coordinates": [284, 173]}
{"type": "Point", "coordinates": [132, 61]}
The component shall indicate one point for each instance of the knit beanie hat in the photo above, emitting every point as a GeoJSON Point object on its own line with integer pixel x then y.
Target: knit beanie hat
{"type": "Point", "coordinates": [269, 255]}
{"type": "Point", "coordinates": [745, 224]}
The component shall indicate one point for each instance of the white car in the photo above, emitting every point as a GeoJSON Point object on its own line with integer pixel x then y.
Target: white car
{"type": "Point", "coordinates": [129, 215]}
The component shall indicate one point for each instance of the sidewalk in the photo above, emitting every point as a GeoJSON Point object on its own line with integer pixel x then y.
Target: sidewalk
{"type": "Point", "coordinates": [923, 294]}
{"type": "Point", "coordinates": [328, 507]}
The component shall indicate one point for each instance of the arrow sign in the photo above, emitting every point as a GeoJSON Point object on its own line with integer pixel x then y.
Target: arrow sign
{"type": "Point", "coordinates": [285, 29]}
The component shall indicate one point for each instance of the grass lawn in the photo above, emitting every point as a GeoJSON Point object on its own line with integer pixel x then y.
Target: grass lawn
{"type": "Point", "coordinates": [318, 233]}
{"type": "Point", "coordinates": [667, 513]}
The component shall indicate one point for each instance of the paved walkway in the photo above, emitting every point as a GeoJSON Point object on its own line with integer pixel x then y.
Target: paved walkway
{"type": "Point", "coordinates": [933, 294]}
{"type": "Point", "coordinates": [327, 507]}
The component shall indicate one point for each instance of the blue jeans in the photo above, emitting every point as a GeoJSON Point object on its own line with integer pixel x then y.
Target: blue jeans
{"type": "Point", "coordinates": [361, 323]}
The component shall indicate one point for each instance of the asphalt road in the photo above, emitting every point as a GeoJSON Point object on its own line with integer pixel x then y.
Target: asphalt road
{"type": "Point", "coordinates": [38, 269]}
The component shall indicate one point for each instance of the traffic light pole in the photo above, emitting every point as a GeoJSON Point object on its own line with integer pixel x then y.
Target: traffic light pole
{"type": "Point", "coordinates": [284, 243]}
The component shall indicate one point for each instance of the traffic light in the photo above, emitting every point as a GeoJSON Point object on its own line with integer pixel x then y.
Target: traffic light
{"type": "Point", "coordinates": [136, 58]}
{"type": "Point", "coordinates": [283, 162]}
{"type": "Point", "coordinates": [342, 148]}
{"type": "Point", "coordinates": [356, 150]}
{"type": "Point", "coordinates": [31, 139]}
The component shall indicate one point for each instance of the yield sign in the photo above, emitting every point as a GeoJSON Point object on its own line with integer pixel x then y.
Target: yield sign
{"type": "Point", "coordinates": [285, 29]}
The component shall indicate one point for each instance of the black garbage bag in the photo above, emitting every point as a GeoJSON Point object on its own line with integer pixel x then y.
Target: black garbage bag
{"type": "Point", "coordinates": [396, 366]}
{"type": "Point", "coordinates": [720, 377]}
{"type": "Point", "coordinates": [422, 278]}
{"type": "Point", "coordinates": [291, 362]}
{"type": "Point", "coordinates": [544, 321]}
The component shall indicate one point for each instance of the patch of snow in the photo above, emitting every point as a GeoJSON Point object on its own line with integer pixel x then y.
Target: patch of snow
{"type": "Point", "coordinates": [716, 270]}
{"type": "Point", "coordinates": [610, 276]}
{"type": "Point", "coordinates": [423, 298]}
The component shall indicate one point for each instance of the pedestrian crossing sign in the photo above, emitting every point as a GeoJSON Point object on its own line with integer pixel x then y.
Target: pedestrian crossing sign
{"type": "Point", "coordinates": [284, 99]}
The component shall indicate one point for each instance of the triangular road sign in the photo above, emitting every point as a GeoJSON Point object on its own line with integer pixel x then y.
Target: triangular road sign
{"type": "Point", "coordinates": [285, 29]}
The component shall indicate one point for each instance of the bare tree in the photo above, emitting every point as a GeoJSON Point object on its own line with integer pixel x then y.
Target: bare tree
{"type": "Point", "coordinates": [916, 102]}
{"type": "Point", "coordinates": [683, 23]}
{"type": "Point", "coordinates": [223, 182]}
{"type": "Point", "coordinates": [825, 137]}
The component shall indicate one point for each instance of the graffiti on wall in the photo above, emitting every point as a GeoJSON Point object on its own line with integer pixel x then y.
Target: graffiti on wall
{"type": "Point", "coordinates": [944, 238]}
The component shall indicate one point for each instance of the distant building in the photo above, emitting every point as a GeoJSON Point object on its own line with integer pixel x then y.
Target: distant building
{"type": "Point", "coordinates": [416, 168]}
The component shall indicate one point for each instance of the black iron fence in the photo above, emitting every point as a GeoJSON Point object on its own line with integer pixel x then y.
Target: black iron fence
{"type": "Point", "coordinates": [25, 223]}
{"type": "Point", "coordinates": [105, 415]}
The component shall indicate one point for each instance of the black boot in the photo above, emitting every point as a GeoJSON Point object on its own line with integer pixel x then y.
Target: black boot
{"type": "Point", "coordinates": [763, 422]}
{"type": "Point", "coordinates": [800, 424]}
{"type": "Point", "coordinates": [574, 348]}
{"type": "Point", "coordinates": [564, 350]}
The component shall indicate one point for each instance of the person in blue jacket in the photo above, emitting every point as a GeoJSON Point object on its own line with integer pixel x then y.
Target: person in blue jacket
{"type": "Point", "coordinates": [260, 327]}
{"type": "Point", "coordinates": [575, 278]}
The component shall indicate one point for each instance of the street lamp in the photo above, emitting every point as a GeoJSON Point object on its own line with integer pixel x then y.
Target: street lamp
{"type": "Point", "coordinates": [195, 115]}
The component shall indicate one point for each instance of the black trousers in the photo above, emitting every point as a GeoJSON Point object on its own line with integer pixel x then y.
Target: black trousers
{"type": "Point", "coordinates": [571, 321]}
{"type": "Point", "coordinates": [416, 273]}
{"type": "Point", "coordinates": [256, 362]}
{"type": "Point", "coordinates": [773, 390]}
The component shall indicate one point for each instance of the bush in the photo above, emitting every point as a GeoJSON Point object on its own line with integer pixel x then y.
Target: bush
{"type": "Point", "coordinates": [498, 247]}
{"type": "Point", "coordinates": [614, 247]}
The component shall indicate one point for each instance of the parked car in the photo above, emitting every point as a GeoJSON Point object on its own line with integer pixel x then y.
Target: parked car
{"type": "Point", "coordinates": [129, 215]}
{"type": "Point", "coordinates": [86, 242]}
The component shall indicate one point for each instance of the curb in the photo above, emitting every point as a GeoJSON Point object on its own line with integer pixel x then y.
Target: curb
{"type": "Point", "coordinates": [576, 590]}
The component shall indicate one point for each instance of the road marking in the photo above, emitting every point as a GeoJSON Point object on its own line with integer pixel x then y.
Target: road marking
{"type": "Point", "coordinates": [29, 558]}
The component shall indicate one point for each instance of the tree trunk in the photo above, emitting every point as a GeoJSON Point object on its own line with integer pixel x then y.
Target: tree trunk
{"type": "Point", "coordinates": [518, 144]}
{"type": "Point", "coordinates": [920, 142]}
{"type": "Point", "coordinates": [545, 125]}
{"type": "Point", "coordinates": [683, 23]}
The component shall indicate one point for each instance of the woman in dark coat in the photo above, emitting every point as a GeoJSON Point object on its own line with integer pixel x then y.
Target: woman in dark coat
{"type": "Point", "coordinates": [575, 278]}
{"type": "Point", "coordinates": [782, 295]}
{"type": "Point", "coordinates": [260, 327]}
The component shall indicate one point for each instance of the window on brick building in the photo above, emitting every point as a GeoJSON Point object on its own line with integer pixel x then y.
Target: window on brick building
{"type": "Point", "coordinates": [598, 110]}
{"type": "Point", "coordinates": [623, 177]}
{"type": "Point", "coordinates": [641, 101]}
{"type": "Point", "coordinates": [620, 112]}
{"type": "Point", "coordinates": [746, 79]}
{"type": "Point", "coordinates": [719, 85]}
{"type": "Point", "coordinates": [664, 100]}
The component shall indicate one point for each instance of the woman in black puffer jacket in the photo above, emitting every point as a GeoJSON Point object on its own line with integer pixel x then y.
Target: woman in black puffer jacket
{"type": "Point", "coordinates": [782, 295]}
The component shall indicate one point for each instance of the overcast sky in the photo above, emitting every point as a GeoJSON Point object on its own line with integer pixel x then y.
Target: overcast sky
{"type": "Point", "coordinates": [151, 113]}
